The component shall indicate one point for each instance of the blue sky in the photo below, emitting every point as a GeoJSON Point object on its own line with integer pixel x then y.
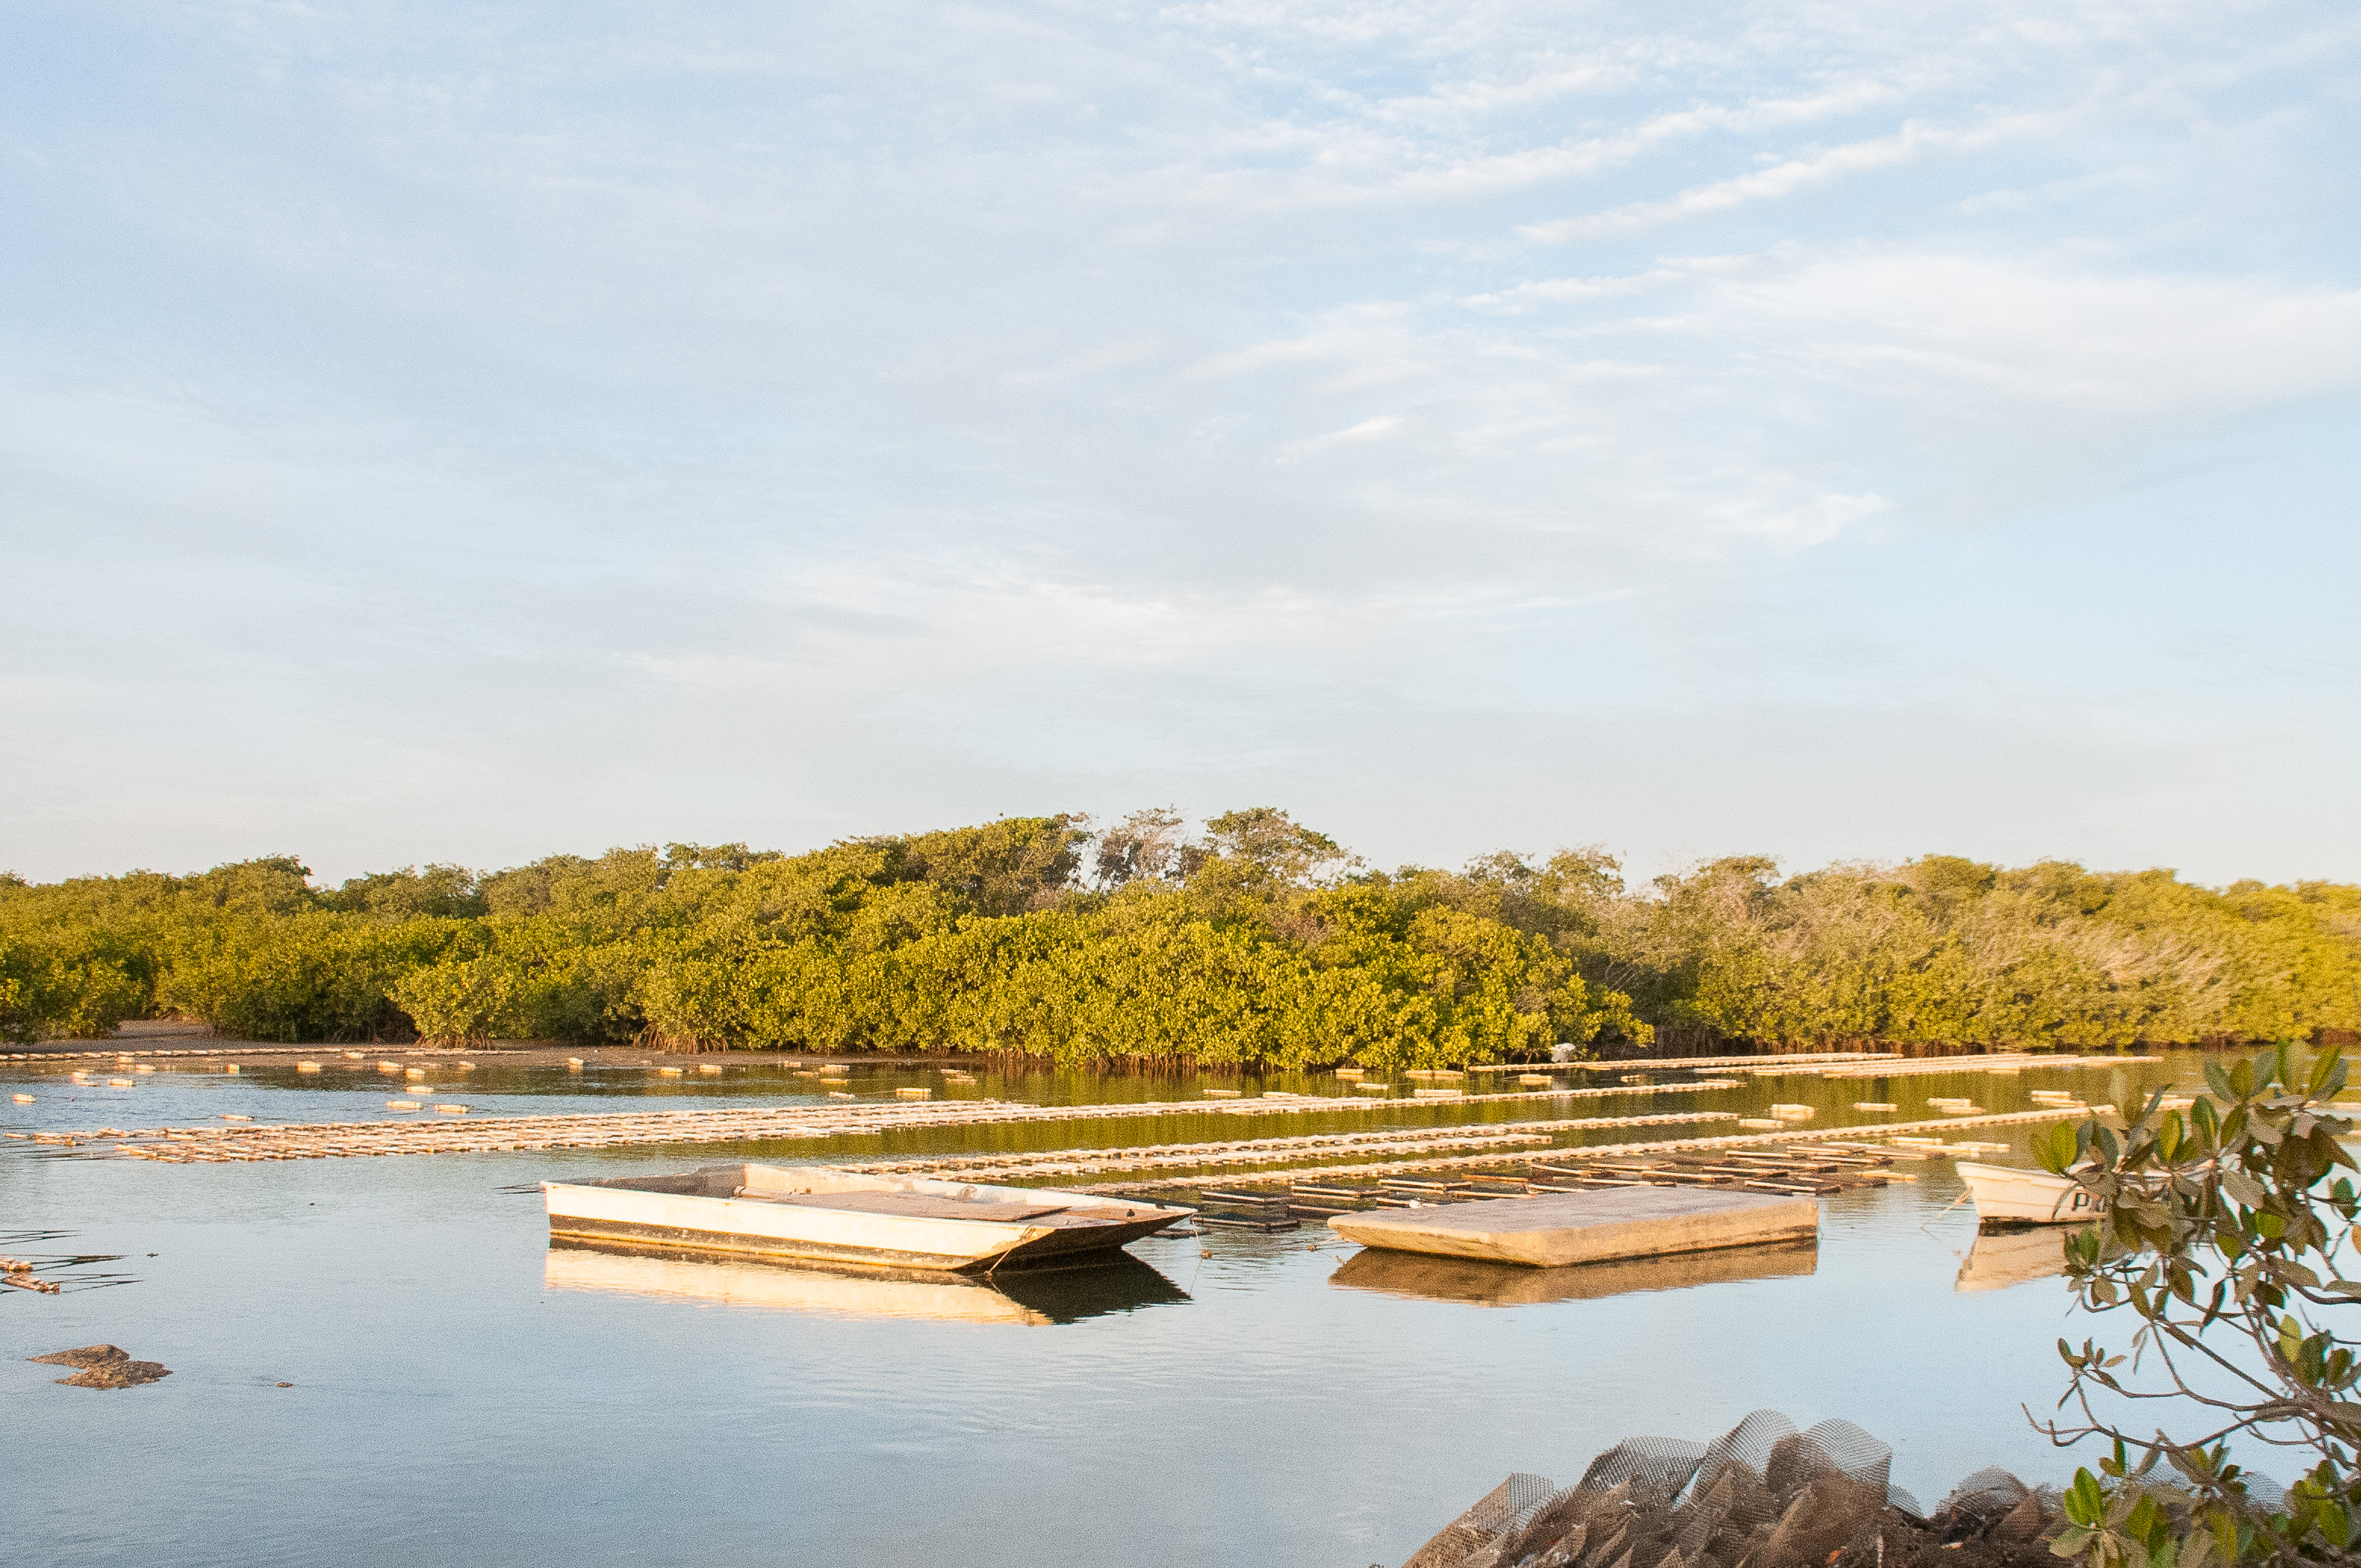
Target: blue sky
{"type": "Point", "coordinates": [1828, 431]}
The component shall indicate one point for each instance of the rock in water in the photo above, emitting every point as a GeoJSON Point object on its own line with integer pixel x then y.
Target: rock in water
{"type": "Point", "coordinates": [104, 1366]}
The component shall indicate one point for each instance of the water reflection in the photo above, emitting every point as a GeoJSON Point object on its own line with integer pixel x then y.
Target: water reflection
{"type": "Point", "coordinates": [367, 1087]}
{"type": "Point", "coordinates": [1482, 1284]}
{"type": "Point", "coordinates": [2001, 1258]}
{"type": "Point", "coordinates": [1033, 1296]}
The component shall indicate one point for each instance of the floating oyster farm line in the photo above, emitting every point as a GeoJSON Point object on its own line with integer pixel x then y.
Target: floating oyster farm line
{"type": "Point", "coordinates": [242, 1140]}
{"type": "Point", "coordinates": [1517, 1151]}
{"type": "Point", "coordinates": [612, 1129]}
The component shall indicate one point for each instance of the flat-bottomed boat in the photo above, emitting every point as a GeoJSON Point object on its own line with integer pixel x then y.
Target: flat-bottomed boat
{"type": "Point", "coordinates": [827, 1215]}
{"type": "Point", "coordinates": [2008, 1195]}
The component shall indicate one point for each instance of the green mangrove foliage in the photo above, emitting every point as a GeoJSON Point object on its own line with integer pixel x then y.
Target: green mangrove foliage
{"type": "Point", "coordinates": [1252, 940]}
{"type": "Point", "coordinates": [2226, 1238]}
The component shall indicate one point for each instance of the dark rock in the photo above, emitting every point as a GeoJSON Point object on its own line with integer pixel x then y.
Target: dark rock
{"type": "Point", "coordinates": [104, 1366]}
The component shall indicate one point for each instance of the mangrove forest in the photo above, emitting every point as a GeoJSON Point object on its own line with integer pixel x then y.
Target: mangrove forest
{"type": "Point", "coordinates": [1250, 939]}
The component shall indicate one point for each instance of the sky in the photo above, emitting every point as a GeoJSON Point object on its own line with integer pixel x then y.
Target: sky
{"type": "Point", "coordinates": [436, 433]}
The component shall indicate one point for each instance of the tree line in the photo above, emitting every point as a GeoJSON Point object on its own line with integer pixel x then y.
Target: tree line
{"type": "Point", "coordinates": [1251, 940]}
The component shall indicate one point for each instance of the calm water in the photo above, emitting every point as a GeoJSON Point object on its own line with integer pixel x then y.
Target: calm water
{"type": "Point", "coordinates": [462, 1393]}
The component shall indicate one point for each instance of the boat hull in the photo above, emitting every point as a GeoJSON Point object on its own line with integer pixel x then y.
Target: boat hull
{"type": "Point", "coordinates": [1089, 1286]}
{"type": "Point", "coordinates": [811, 1214]}
{"type": "Point", "coordinates": [2008, 1195]}
{"type": "Point", "coordinates": [707, 1237]}
{"type": "Point", "coordinates": [867, 1291]}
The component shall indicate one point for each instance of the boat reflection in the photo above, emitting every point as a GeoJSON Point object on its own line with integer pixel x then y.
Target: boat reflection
{"type": "Point", "coordinates": [2001, 1258]}
{"type": "Point", "coordinates": [1508, 1285]}
{"type": "Point", "coordinates": [1121, 1284]}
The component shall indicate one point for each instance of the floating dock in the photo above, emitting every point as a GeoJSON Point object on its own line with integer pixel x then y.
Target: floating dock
{"type": "Point", "coordinates": [1464, 1280]}
{"type": "Point", "coordinates": [1563, 1228]}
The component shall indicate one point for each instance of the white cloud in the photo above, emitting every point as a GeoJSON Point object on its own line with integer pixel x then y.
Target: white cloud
{"type": "Point", "coordinates": [1089, 362]}
{"type": "Point", "coordinates": [989, 398]}
{"type": "Point", "coordinates": [1794, 174]}
{"type": "Point", "coordinates": [1374, 429]}
{"type": "Point", "coordinates": [2043, 333]}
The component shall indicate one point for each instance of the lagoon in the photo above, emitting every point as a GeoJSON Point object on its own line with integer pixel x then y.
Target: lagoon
{"type": "Point", "coordinates": [462, 1393]}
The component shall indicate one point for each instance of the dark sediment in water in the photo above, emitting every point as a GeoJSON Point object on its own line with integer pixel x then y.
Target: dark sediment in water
{"type": "Point", "coordinates": [104, 1366]}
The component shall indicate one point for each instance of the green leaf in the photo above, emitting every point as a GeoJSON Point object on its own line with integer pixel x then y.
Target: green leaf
{"type": "Point", "coordinates": [2085, 1502]}
{"type": "Point", "coordinates": [2244, 1188]}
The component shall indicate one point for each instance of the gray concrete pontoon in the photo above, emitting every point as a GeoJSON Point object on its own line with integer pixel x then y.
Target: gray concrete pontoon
{"type": "Point", "coordinates": [1465, 1279]}
{"type": "Point", "coordinates": [1562, 1228]}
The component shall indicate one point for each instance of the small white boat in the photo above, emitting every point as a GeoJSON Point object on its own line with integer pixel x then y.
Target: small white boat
{"type": "Point", "coordinates": [2018, 1197]}
{"type": "Point", "coordinates": [841, 1216]}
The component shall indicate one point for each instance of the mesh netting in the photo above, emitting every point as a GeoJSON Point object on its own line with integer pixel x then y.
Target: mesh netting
{"type": "Point", "coordinates": [1487, 1519]}
{"type": "Point", "coordinates": [1762, 1495]}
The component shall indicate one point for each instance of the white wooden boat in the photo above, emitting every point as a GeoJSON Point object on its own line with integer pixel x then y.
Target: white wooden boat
{"type": "Point", "coordinates": [2010, 1195]}
{"type": "Point", "coordinates": [840, 1217]}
